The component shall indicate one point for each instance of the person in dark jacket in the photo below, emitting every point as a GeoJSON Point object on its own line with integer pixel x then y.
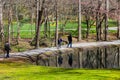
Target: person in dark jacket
{"type": "Point", "coordinates": [59, 42]}
{"type": "Point", "coordinates": [7, 49]}
{"type": "Point", "coordinates": [69, 41]}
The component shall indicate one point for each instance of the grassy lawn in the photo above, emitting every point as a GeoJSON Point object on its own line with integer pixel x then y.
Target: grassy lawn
{"type": "Point", "coordinates": [28, 30]}
{"type": "Point", "coordinates": [21, 71]}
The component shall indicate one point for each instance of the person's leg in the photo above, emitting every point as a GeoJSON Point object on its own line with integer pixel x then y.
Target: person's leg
{"type": "Point", "coordinates": [71, 44]}
{"type": "Point", "coordinates": [60, 45]}
{"type": "Point", "coordinates": [7, 56]}
{"type": "Point", "coordinates": [68, 45]}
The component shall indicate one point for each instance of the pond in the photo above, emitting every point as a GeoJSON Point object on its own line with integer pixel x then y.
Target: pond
{"type": "Point", "coordinates": [95, 57]}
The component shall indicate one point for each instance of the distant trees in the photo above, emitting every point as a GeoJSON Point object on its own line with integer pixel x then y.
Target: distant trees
{"type": "Point", "coordinates": [88, 11]}
{"type": "Point", "coordinates": [60, 12]}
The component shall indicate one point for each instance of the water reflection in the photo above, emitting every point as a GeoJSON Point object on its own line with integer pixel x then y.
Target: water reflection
{"type": "Point", "coordinates": [70, 59]}
{"type": "Point", "coordinates": [60, 60]}
{"type": "Point", "coordinates": [105, 57]}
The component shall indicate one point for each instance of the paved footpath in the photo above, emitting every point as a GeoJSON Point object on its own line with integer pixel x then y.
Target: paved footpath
{"type": "Point", "coordinates": [75, 45]}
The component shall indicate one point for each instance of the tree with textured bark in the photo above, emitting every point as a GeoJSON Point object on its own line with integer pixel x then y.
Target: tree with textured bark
{"type": "Point", "coordinates": [98, 20]}
{"type": "Point", "coordinates": [118, 19]}
{"type": "Point", "coordinates": [56, 33]}
{"type": "Point", "coordinates": [106, 18]}
{"type": "Point", "coordinates": [39, 21]}
{"type": "Point", "coordinates": [46, 23]}
{"type": "Point", "coordinates": [9, 21]}
{"type": "Point", "coordinates": [88, 10]}
{"type": "Point", "coordinates": [18, 25]}
{"type": "Point", "coordinates": [79, 21]}
{"type": "Point", "coordinates": [1, 22]}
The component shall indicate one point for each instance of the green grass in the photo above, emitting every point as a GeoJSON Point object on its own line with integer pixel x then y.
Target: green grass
{"type": "Point", "coordinates": [27, 27]}
{"type": "Point", "coordinates": [112, 23]}
{"type": "Point", "coordinates": [20, 71]}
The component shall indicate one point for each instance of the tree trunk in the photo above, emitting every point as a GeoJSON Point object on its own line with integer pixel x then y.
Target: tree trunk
{"type": "Point", "coordinates": [48, 27]}
{"type": "Point", "coordinates": [9, 22]}
{"type": "Point", "coordinates": [12, 28]}
{"type": "Point", "coordinates": [45, 29]}
{"type": "Point", "coordinates": [45, 24]}
{"type": "Point", "coordinates": [98, 22]}
{"type": "Point", "coordinates": [87, 22]}
{"type": "Point", "coordinates": [37, 26]}
{"type": "Point", "coordinates": [56, 33]}
{"type": "Point", "coordinates": [97, 27]}
{"type": "Point", "coordinates": [100, 28]}
{"type": "Point", "coordinates": [119, 26]}
{"type": "Point", "coordinates": [48, 24]}
{"type": "Point", "coordinates": [39, 21]}
{"type": "Point", "coordinates": [79, 21]}
{"type": "Point", "coordinates": [32, 21]}
{"type": "Point", "coordinates": [118, 20]}
{"type": "Point", "coordinates": [1, 22]}
{"type": "Point", "coordinates": [18, 25]}
{"type": "Point", "coordinates": [106, 18]}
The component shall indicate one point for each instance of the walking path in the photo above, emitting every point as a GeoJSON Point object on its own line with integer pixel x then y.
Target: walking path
{"type": "Point", "coordinates": [109, 28]}
{"type": "Point", "coordinates": [75, 45]}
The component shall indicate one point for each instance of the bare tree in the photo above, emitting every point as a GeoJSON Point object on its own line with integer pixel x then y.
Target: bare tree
{"type": "Point", "coordinates": [79, 21]}
{"type": "Point", "coordinates": [99, 20]}
{"type": "Point", "coordinates": [1, 22]}
{"type": "Point", "coordinates": [106, 18]}
{"type": "Point", "coordinates": [88, 10]}
{"type": "Point", "coordinates": [118, 20]}
{"type": "Point", "coordinates": [18, 25]}
{"type": "Point", "coordinates": [56, 11]}
{"type": "Point", "coordinates": [40, 11]}
{"type": "Point", "coordinates": [9, 21]}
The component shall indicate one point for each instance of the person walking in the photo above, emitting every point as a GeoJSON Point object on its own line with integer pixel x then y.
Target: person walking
{"type": "Point", "coordinates": [69, 41]}
{"type": "Point", "coordinates": [7, 49]}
